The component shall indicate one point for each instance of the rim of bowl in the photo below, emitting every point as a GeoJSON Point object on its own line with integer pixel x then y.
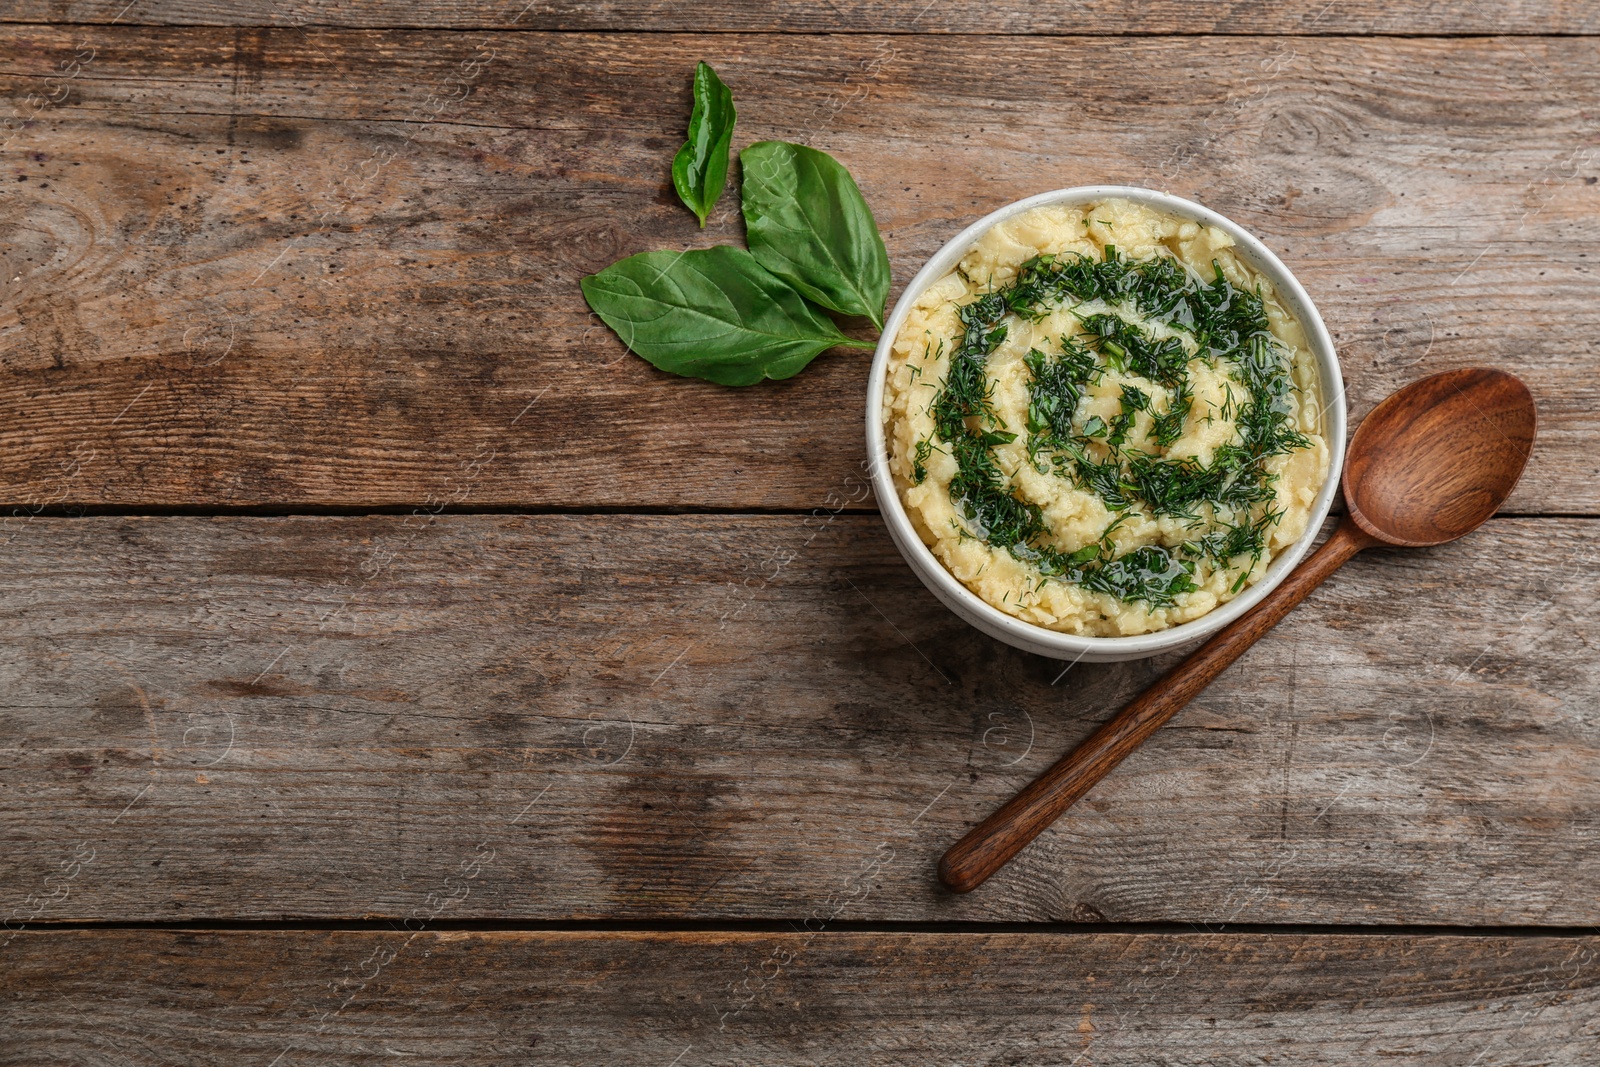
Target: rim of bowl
{"type": "Point", "coordinates": [1041, 639]}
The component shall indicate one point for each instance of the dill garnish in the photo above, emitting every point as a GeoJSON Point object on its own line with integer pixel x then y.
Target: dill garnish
{"type": "Point", "coordinates": [1161, 317]}
{"type": "Point", "coordinates": [919, 469]}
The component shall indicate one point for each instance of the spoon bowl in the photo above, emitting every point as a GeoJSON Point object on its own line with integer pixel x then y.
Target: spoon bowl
{"type": "Point", "coordinates": [1429, 464]}
{"type": "Point", "coordinates": [1436, 459]}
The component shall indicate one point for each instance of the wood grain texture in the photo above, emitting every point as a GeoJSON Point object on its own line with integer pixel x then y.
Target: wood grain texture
{"type": "Point", "coordinates": [849, 16]}
{"type": "Point", "coordinates": [758, 717]}
{"type": "Point", "coordinates": [297, 998]}
{"type": "Point", "coordinates": [323, 268]}
{"type": "Point", "coordinates": [995, 842]}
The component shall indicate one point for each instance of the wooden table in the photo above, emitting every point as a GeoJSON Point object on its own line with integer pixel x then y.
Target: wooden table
{"type": "Point", "coordinates": [395, 670]}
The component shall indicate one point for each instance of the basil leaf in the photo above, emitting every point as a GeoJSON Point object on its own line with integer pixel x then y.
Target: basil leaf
{"type": "Point", "coordinates": [712, 313]}
{"type": "Point", "coordinates": [807, 222]}
{"type": "Point", "coordinates": [700, 169]}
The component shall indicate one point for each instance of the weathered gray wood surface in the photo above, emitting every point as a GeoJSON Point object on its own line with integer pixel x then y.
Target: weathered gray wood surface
{"type": "Point", "coordinates": [851, 16]}
{"type": "Point", "coordinates": [266, 265]}
{"type": "Point", "coordinates": [758, 717]}
{"type": "Point", "coordinates": [286, 266]}
{"type": "Point", "coordinates": [690, 999]}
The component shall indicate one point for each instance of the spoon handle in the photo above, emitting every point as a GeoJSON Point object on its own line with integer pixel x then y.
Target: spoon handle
{"type": "Point", "coordinates": [992, 843]}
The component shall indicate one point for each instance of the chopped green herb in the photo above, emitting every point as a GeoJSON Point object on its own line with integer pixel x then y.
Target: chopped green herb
{"type": "Point", "coordinates": [919, 469]}
{"type": "Point", "coordinates": [1167, 426]}
{"type": "Point", "coordinates": [1225, 327]}
{"type": "Point", "coordinates": [1133, 401]}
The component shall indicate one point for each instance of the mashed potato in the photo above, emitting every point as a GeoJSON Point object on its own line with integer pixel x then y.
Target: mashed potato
{"type": "Point", "coordinates": [1103, 421]}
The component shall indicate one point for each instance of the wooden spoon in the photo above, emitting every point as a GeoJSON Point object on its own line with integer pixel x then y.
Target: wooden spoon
{"type": "Point", "coordinates": [1429, 464]}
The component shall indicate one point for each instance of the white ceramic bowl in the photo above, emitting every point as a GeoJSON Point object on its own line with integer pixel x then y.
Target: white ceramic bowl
{"type": "Point", "coordinates": [1013, 631]}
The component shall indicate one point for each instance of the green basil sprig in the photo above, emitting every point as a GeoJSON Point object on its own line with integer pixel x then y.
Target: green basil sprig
{"type": "Point", "coordinates": [736, 317]}
{"type": "Point", "coordinates": [700, 169]}
{"type": "Point", "coordinates": [808, 223]}
{"type": "Point", "coordinates": [712, 313]}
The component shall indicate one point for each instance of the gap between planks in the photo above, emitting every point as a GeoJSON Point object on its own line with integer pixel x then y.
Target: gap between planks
{"type": "Point", "coordinates": [796, 925]}
{"type": "Point", "coordinates": [712, 31]}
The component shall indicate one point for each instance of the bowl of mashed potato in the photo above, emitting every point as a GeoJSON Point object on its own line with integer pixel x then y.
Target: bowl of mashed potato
{"type": "Point", "coordinates": [1104, 422]}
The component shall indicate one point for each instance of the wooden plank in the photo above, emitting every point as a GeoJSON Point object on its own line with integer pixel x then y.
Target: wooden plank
{"type": "Point", "coordinates": [850, 16]}
{"type": "Point", "coordinates": [691, 999]}
{"type": "Point", "coordinates": [242, 270]}
{"type": "Point", "coordinates": [758, 717]}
